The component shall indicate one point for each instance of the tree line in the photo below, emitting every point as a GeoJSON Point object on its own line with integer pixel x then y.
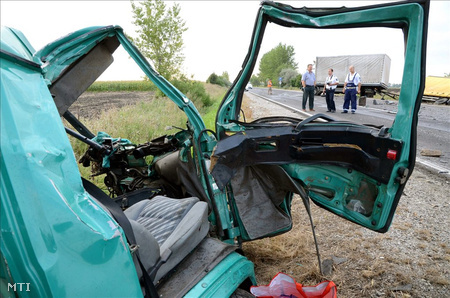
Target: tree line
{"type": "Point", "coordinates": [159, 37]}
{"type": "Point", "coordinates": [278, 63]}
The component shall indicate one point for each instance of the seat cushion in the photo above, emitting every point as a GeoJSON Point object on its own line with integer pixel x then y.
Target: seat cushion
{"type": "Point", "coordinates": [176, 225]}
{"type": "Point", "coordinates": [160, 215]}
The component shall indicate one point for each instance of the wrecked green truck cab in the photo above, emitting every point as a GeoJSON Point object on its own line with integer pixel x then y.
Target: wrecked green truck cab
{"type": "Point", "coordinates": [59, 239]}
{"type": "Point", "coordinates": [56, 237]}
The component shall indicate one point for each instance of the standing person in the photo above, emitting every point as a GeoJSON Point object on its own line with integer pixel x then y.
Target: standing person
{"type": "Point", "coordinates": [352, 86]}
{"type": "Point", "coordinates": [269, 85]}
{"type": "Point", "coordinates": [330, 86]}
{"type": "Point", "coordinates": [309, 86]}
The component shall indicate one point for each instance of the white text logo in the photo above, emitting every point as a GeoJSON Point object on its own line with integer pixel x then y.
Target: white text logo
{"type": "Point", "coordinates": [19, 286]}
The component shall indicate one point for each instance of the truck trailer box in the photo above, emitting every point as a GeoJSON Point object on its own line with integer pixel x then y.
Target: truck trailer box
{"type": "Point", "coordinates": [373, 69]}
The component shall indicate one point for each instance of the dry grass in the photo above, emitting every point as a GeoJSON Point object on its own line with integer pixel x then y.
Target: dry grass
{"type": "Point", "coordinates": [369, 269]}
{"type": "Point", "coordinates": [247, 109]}
{"type": "Point", "coordinates": [414, 253]}
{"type": "Point", "coordinates": [292, 253]}
{"type": "Point", "coordinates": [422, 245]}
{"type": "Point", "coordinates": [434, 275]}
{"type": "Point", "coordinates": [215, 91]}
{"type": "Point", "coordinates": [402, 227]}
{"type": "Point", "coordinates": [423, 234]}
{"type": "Point", "coordinates": [374, 266]}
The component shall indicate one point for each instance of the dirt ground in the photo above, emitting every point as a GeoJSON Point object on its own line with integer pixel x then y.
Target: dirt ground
{"type": "Point", "coordinates": [93, 103]}
{"type": "Point", "coordinates": [411, 260]}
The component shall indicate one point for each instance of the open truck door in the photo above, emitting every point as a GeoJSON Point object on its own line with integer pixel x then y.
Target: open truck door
{"type": "Point", "coordinates": [355, 171]}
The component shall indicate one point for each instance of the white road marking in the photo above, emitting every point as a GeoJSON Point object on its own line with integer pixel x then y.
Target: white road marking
{"type": "Point", "coordinates": [287, 107]}
{"type": "Point", "coordinates": [433, 167]}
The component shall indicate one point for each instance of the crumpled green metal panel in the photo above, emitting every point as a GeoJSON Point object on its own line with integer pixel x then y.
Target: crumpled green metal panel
{"type": "Point", "coordinates": [13, 41]}
{"type": "Point", "coordinates": [60, 54]}
{"type": "Point", "coordinates": [224, 278]}
{"type": "Point", "coordinates": [53, 235]}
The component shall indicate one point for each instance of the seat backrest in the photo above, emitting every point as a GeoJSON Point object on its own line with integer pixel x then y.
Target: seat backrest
{"type": "Point", "coordinates": [149, 250]}
{"type": "Point", "coordinates": [178, 225]}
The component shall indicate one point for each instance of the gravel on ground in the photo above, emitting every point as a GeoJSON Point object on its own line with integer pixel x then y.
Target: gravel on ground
{"type": "Point", "coordinates": [411, 260]}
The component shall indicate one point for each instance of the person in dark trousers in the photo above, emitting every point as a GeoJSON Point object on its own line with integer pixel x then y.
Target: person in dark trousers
{"type": "Point", "coordinates": [309, 84]}
{"type": "Point", "coordinates": [352, 86]}
{"type": "Point", "coordinates": [330, 86]}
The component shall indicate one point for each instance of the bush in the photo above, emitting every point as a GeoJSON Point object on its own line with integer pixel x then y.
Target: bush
{"type": "Point", "coordinates": [197, 94]}
{"type": "Point", "coordinates": [255, 81]}
{"type": "Point", "coordinates": [194, 90]}
{"type": "Point", "coordinates": [297, 81]}
{"type": "Point", "coordinates": [213, 79]}
{"type": "Point", "coordinates": [219, 80]}
{"type": "Point", "coordinates": [288, 76]}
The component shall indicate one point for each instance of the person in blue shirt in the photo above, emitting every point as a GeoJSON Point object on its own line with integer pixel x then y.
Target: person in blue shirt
{"type": "Point", "coordinates": [352, 86]}
{"type": "Point", "coordinates": [309, 86]}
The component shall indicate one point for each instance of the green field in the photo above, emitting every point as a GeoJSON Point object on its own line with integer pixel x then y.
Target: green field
{"type": "Point", "coordinates": [110, 86]}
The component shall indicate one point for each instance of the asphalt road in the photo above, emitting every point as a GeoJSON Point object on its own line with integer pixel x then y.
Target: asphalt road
{"type": "Point", "coordinates": [433, 127]}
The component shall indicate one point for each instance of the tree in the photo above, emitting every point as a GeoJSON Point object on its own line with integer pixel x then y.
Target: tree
{"type": "Point", "coordinates": [288, 75]}
{"type": "Point", "coordinates": [226, 76]}
{"type": "Point", "coordinates": [446, 74]}
{"type": "Point", "coordinates": [213, 79]}
{"type": "Point", "coordinates": [278, 58]}
{"type": "Point", "coordinates": [160, 35]}
{"type": "Point", "coordinates": [219, 80]}
{"type": "Point", "coordinates": [255, 81]}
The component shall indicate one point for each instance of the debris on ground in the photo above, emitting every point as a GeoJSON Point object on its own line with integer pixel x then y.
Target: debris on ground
{"type": "Point", "coordinates": [327, 267]}
{"type": "Point", "coordinates": [442, 101]}
{"type": "Point", "coordinates": [337, 260]}
{"type": "Point", "coordinates": [403, 288]}
{"type": "Point", "coordinates": [283, 285]}
{"type": "Point", "coordinates": [431, 152]}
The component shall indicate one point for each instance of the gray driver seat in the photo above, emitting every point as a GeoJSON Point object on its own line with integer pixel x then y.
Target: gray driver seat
{"type": "Point", "coordinates": [167, 227]}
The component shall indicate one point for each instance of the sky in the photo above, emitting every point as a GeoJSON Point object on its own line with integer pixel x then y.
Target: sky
{"type": "Point", "coordinates": [219, 34]}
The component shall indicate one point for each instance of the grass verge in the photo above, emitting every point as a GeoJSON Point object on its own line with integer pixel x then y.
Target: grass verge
{"type": "Point", "coordinates": [145, 120]}
{"type": "Point", "coordinates": [142, 121]}
{"type": "Point", "coordinates": [114, 86]}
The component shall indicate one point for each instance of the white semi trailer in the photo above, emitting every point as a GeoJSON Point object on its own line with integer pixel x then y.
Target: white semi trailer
{"type": "Point", "coordinates": [373, 69]}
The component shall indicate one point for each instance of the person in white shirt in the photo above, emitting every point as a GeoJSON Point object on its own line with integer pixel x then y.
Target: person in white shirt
{"type": "Point", "coordinates": [352, 86]}
{"type": "Point", "coordinates": [330, 86]}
